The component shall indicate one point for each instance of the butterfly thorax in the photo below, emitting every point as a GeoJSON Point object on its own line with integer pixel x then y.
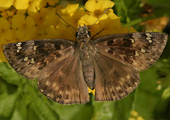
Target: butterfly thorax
{"type": "Point", "coordinates": [86, 48]}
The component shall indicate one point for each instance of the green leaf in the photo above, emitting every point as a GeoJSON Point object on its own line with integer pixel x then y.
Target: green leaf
{"type": "Point", "coordinates": [159, 3]}
{"type": "Point", "coordinates": [110, 110]}
{"type": "Point", "coordinates": [123, 107]}
{"type": "Point", "coordinates": [121, 8]}
{"type": "Point", "coordinates": [7, 103]}
{"type": "Point", "coordinates": [10, 75]}
{"type": "Point", "coordinates": [148, 97]}
{"type": "Point", "coordinates": [39, 108]}
{"type": "Point", "coordinates": [73, 112]}
{"type": "Point", "coordinates": [17, 115]}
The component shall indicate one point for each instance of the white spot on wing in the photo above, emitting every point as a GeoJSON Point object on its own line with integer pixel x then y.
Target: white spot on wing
{"type": "Point", "coordinates": [18, 44]}
{"type": "Point", "coordinates": [151, 60]}
{"type": "Point", "coordinates": [143, 50]}
{"type": "Point", "coordinates": [136, 53]}
{"type": "Point", "coordinates": [26, 59]}
{"type": "Point", "coordinates": [118, 88]}
{"type": "Point", "coordinates": [149, 37]}
{"type": "Point", "coordinates": [47, 83]}
{"type": "Point", "coordinates": [128, 77]}
{"type": "Point", "coordinates": [50, 95]}
{"type": "Point", "coordinates": [18, 47]}
{"type": "Point", "coordinates": [32, 60]}
{"type": "Point", "coordinates": [35, 48]}
{"type": "Point", "coordinates": [150, 41]}
{"type": "Point", "coordinates": [42, 90]}
{"type": "Point", "coordinates": [135, 83]}
{"type": "Point", "coordinates": [132, 40]}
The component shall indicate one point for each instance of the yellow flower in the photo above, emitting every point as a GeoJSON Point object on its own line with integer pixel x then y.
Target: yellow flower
{"type": "Point", "coordinates": [59, 32]}
{"type": "Point", "coordinates": [30, 5]}
{"type": "Point", "coordinates": [8, 13]}
{"type": "Point", "coordinates": [88, 20]}
{"type": "Point", "coordinates": [77, 15]}
{"type": "Point", "coordinates": [2, 57]}
{"type": "Point", "coordinates": [135, 116]}
{"type": "Point", "coordinates": [140, 118]}
{"type": "Point", "coordinates": [49, 2]}
{"type": "Point", "coordinates": [132, 119]}
{"type": "Point", "coordinates": [5, 31]}
{"type": "Point", "coordinates": [52, 2]}
{"type": "Point", "coordinates": [91, 91]}
{"type": "Point", "coordinates": [134, 113]}
{"type": "Point", "coordinates": [39, 17]}
{"type": "Point", "coordinates": [109, 22]}
{"type": "Point", "coordinates": [51, 18]}
{"type": "Point", "coordinates": [24, 27]}
{"type": "Point", "coordinates": [6, 3]}
{"type": "Point", "coordinates": [97, 7]}
{"type": "Point", "coordinates": [70, 14]}
{"type": "Point", "coordinates": [70, 9]}
{"type": "Point", "coordinates": [5, 35]}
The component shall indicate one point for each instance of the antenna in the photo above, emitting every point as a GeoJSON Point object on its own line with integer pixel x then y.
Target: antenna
{"type": "Point", "coordinates": [66, 22]}
{"type": "Point", "coordinates": [99, 18]}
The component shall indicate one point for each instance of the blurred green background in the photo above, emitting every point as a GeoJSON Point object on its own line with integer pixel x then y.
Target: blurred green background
{"type": "Point", "coordinates": [21, 100]}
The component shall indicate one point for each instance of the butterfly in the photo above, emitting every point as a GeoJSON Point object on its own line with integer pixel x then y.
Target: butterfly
{"type": "Point", "coordinates": [65, 69]}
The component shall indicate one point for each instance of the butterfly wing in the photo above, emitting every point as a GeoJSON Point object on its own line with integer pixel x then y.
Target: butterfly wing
{"type": "Point", "coordinates": [55, 64]}
{"type": "Point", "coordinates": [138, 50]}
{"type": "Point", "coordinates": [119, 58]}
{"type": "Point", "coordinates": [114, 80]}
{"type": "Point", "coordinates": [64, 84]}
{"type": "Point", "coordinates": [29, 57]}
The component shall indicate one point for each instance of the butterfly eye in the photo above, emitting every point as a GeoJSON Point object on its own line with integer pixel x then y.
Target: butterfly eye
{"type": "Point", "coordinates": [89, 33]}
{"type": "Point", "coordinates": [76, 34]}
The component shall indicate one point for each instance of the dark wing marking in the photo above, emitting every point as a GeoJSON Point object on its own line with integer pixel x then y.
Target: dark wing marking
{"type": "Point", "coordinates": [139, 50]}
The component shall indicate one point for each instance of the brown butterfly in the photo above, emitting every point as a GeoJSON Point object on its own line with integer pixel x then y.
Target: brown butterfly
{"type": "Point", "coordinates": [65, 69]}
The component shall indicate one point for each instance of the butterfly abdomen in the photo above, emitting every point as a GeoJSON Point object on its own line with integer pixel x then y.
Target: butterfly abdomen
{"type": "Point", "coordinates": [87, 67]}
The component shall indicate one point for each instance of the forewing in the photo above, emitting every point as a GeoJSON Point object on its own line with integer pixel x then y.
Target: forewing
{"type": "Point", "coordinates": [139, 50]}
{"type": "Point", "coordinates": [30, 57]}
{"type": "Point", "coordinates": [114, 80]}
{"type": "Point", "coordinates": [65, 83]}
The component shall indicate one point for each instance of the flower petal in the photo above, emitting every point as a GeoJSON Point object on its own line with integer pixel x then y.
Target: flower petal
{"type": "Point", "coordinates": [21, 4]}
{"type": "Point", "coordinates": [6, 3]}
{"type": "Point", "coordinates": [92, 5]}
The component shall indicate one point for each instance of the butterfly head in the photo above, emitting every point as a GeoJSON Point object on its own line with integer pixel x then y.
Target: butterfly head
{"type": "Point", "coordinates": [83, 32]}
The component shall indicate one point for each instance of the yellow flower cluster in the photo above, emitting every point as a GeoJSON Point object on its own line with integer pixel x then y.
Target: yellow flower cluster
{"type": "Point", "coordinates": [37, 19]}
{"type": "Point", "coordinates": [135, 116]}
